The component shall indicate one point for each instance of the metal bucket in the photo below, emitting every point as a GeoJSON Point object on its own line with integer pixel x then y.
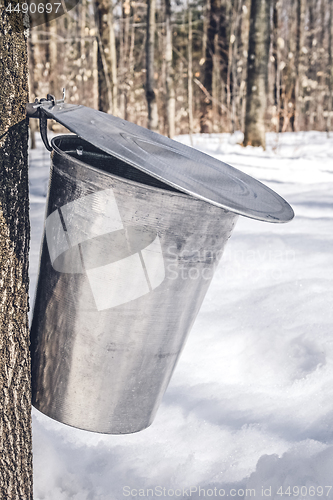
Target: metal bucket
{"type": "Point", "coordinates": [126, 262]}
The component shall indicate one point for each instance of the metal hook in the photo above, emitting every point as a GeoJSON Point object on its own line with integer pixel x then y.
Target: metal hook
{"type": "Point", "coordinates": [35, 110]}
{"type": "Point", "coordinates": [51, 98]}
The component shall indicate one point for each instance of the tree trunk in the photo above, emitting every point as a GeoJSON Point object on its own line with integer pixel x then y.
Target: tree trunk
{"type": "Point", "coordinates": [53, 48]}
{"type": "Point", "coordinates": [212, 31]}
{"type": "Point", "coordinates": [215, 85]}
{"type": "Point", "coordinates": [82, 20]}
{"type": "Point", "coordinates": [107, 86]}
{"type": "Point", "coordinates": [125, 72]}
{"type": "Point", "coordinates": [297, 58]}
{"type": "Point", "coordinates": [257, 73]}
{"type": "Point", "coordinates": [95, 74]}
{"type": "Point", "coordinates": [330, 70]}
{"type": "Point", "coordinates": [113, 56]}
{"type": "Point", "coordinates": [275, 53]}
{"type": "Point", "coordinates": [15, 424]}
{"type": "Point", "coordinates": [320, 74]}
{"type": "Point", "coordinates": [131, 73]}
{"type": "Point", "coordinates": [150, 81]}
{"type": "Point", "coordinates": [190, 74]}
{"type": "Point", "coordinates": [230, 63]}
{"type": "Point", "coordinates": [170, 90]}
{"type": "Point", "coordinates": [205, 13]}
{"type": "Point", "coordinates": [34, 56]}
{"type": "Point", "coordinates": [234, 42]}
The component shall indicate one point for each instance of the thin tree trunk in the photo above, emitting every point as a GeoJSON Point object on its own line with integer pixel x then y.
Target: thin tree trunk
{"type": "Point", "coordinates": [206, 10]}
{"type": "Point", "coordinates": [53, 51]}
{"type": "Point", "coordinates": [125, 77]}
{"type": "Point", "coordinates": [83, 29]}
{"type": "Point", "coordinates": [208, 68]}
{"type": "Point", "coordinates": [257, 73]}
{"type": "Point", "coordinates": [170, 90]}
{"type": "Point", "coordinates": [190, 74]}
{"type": "Point", "coordinates": [312, 102]}
{"type": "Point", "coordinates": [33, 81]}
{"type": "Point", "coordinates": [330, 69]}
{"type": "Point", "coordinates": [95, 73]}
{"type": "Point", "coordinates": [131, 95]}
{"type": "Point", "coordinates": [121, 67]}
{"type": "Point", "coordinates": [244, 41]}
{"type": "Point", "coordinates": [113, 56]}
{"type": "Point", "coordinates": [104, 24]}
{"type": "Point", "coordinates": [215, 84]}
{"type": "Point", "coordinates": [15, 410]}
{"type": "Point", "coordinates": [150, 81]}
{"type": "Point", "coordinates": [232, 39]}
{"type": "Point", "coordinates": [233, 110]}
{"type": "Point", "coordinates": [320, 74]}
{"type": "Point", "coordinates": [297, 58]}
{"type": "Point", "coordinates": [276, 55]}
{"type": "Point", "coordinates": [82, 14]}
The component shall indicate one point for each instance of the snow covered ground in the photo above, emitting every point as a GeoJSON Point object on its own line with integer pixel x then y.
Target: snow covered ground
{"type": "Point", "coordinates": [249, 410]}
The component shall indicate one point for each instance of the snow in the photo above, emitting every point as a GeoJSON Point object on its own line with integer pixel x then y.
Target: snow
{"type": "Point", "coordinates": [250, 404]}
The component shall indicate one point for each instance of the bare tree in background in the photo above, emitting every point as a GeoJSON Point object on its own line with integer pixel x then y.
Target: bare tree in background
{"type": "Point", "coordinates": [190, 72]}
{"type": "Point", "coordinates": [330, 68]}
{"type": "Point", "coordinates": [107, 63]}
{"type": "Point", "coordinates": [213, 10]}
{"type": "Point", "coordinates": [170, 90]}
{"type": "Point", "coordinates": [150, 79]}
{"type": "Point", "coordinates": [299, 67]}
{"type": "Point", "coordinates": [257, 73]}
{"type": "Point", "coordinates": [297, 61]}
{"type": "Point", "coordinates": [276, 62]}
{"type": "Point", "coordinates": [15, 410]}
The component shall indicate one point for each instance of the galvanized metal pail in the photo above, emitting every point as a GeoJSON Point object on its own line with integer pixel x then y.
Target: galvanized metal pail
{"type": "Point", "coordinates": [135, 226]}
{"type": "Point", "coordinates": [126, 262]}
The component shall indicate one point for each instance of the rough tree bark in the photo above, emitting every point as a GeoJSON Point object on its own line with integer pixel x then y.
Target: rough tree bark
{"type": "Point", "coordinates": [15, 409]}
{"type": "Point", "coordinates": [34, 57]}
{"type": "Point", "coordinates": [257, 73]}
{"type": "Point", "coordinates": [150, 80]}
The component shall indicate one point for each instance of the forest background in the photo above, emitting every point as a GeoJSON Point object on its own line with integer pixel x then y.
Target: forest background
{"type": "Point", "coordinates": [205, 66]}
{"type": "Point", "coordinates": [183, 67]}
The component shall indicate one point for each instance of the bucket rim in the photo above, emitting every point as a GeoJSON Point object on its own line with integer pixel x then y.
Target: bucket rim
{"type": "Point", "coordinates": [171, 192]}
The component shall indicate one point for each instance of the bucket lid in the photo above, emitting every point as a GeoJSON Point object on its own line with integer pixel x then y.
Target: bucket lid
{"type": "Point", "coordinates": [177, 165]}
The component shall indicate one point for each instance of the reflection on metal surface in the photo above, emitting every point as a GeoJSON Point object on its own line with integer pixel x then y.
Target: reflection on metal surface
{"type": "Point", "coordinates": [121, 266]}
{"type": "Point", "coordinates": [129, 278]}
{"type": "Point", "coordinates": [91, 216]}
